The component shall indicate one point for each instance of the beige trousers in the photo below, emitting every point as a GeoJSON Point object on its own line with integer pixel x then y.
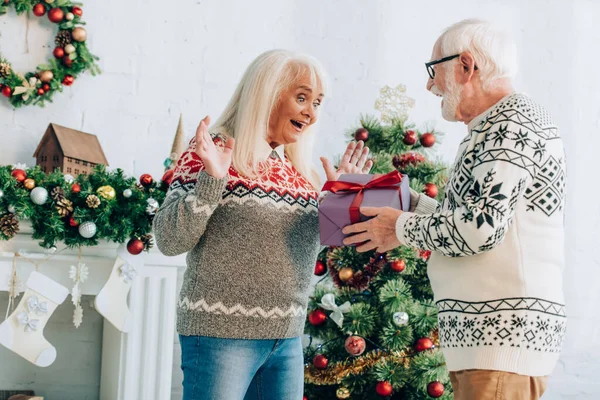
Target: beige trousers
{"type": "Point", "coordinates": [478, 384]}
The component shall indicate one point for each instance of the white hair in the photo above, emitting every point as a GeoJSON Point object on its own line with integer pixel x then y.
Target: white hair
{"type": "Point", "coordinates": [493, 48]}
{"type": "Point", "coordinates": [246, 117]}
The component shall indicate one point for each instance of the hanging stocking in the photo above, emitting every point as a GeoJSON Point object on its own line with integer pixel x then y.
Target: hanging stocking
{"type": "Point", "coordinates": [22, 331]}
{"type": "Point", "coordinates": [111, 301]}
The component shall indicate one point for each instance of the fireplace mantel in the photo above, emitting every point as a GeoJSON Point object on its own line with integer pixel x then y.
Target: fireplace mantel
{"type": "Point", "coordinates": [135, 365]}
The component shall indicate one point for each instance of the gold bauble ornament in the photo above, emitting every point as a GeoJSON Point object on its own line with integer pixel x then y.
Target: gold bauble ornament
{"type": "Point", "coordinates": [346, 274]}
{"type": "Point", "coordinates": [29, 183]}
{"type": "Point", "coordinates": [79, 34]}
{"type": "Point", "coordinates": [46, 76]}
{"type": "Point", "coordinates": [70, 16]}
{"type": "Point", "coordinates": [106, 192]}
{"type": "Point", "coordinates": [342, 393]}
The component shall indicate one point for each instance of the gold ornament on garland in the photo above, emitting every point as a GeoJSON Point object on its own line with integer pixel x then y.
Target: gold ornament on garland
{"type": "Point", "coordinates": [4, 70]}
{"type": "Point", "coordinates": [92, 201]}
{"type": "Point", "coordinates": [64, 207]}
{"type": "Point", "coordinates": [346, 274]}
{"type": "Point", "coordinates": [46, 76]}
{"type": "Point", "coordinates": [29, 183]}
{"type": "Point", "coordinates": [79, 34]}
{"type": "Point", "coordinates": [342, 393]}
{"type": "Point", "coordinates": [107, 192]}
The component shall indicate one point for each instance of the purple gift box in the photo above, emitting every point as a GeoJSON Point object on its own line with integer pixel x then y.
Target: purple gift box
{"type": "Point", "coordinates": [334, 210]}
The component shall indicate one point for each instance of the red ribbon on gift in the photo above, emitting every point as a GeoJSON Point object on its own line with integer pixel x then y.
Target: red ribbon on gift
{"type": "Point", "coordinates": [387, 181]}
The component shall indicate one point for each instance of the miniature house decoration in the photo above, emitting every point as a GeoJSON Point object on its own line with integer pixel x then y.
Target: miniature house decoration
{"type": "Point", "coordinates": [69, 150]}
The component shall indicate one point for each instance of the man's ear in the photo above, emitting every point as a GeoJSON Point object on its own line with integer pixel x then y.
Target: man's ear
{"type": "Point", "coordinates": [467, 66]}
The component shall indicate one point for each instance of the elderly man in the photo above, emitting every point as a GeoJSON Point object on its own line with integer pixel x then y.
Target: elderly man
{"type": "Point", "coordinates": [497, 237]}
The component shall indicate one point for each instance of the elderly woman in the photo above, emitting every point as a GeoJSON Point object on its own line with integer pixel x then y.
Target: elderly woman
{"type": "Point", "coordinates": [243, 202]}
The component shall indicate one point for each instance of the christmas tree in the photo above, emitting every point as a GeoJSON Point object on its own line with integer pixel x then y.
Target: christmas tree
{"type": "Point", "coordinates": [371, 320]}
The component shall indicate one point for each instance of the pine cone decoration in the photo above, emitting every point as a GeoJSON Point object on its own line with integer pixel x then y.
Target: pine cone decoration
{"type": "Point", "coordinates": [4, 70]}
{"type": "Point", "coordinates": [9, 225]}
{"type": "Point", "coordinates": [63, 38]}
{"type": "Point", "coordinates": [147, 240]}
{"type": "Point", "coordinates": [57, 193]}
{"type": "Point", "coordinates": [64, 207]}
{"type": "Point", "coordinates": [92, 201]}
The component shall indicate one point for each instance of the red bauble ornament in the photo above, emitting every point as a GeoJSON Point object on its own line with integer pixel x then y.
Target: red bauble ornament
{"type": "Point", "coordinates": [398, 265]}
{"type": "Point", "coordinates": [6, 91]}
{"type": "Point", "coordinates": [317, 317]}
{"type": "Point", "coordinates": [423, 344]}
{"type": "Point", "coordinates": [168, 177]}
{"type": "Point", "coordinates": [39, 10]}
{"type": "Point", "coordinates": [56, 15]}
{"type": "Point", "coordinates": [73, 222]}
{"type": "Point", "coordinates": [59, 52]}
{"type": "Point", "coordinates": [320, 361]}
{"type": "Point", "coordinates": [425, 254]}
{"type": "Point", "coordinates": [304, 398]}
{"type": "Point", "coordinates": [68, 79]}
{"type": "Point", "coordinates": [19, 175]}
{"type": "Point", "coordinates": [355, 345]}
{"type": "Point", "coordinates": [77, 11]}
{"type": "Point", "coordinates": [361, 134]}
{"type": "Point", "coordinates": [146, 180]}
{"type": "Point", "coordinates": [427, 139]}
{"type": "Point", "coordinates": [410, 138]}
{"type": "Point", "coordinates": [66, 60]}
{"type": "Point", "coordinates": [46, 87]}
{"type": "Point", "coordinates": [75, 188]}
{"type": "Point", "coordinates": [431, 190]}
{"type": "Point", "coordinates": [135, 246]}
{"type": "Point", "coordinates": [435, 389]}
{"type": "Point", "coordinates": [40, 92]}
{"type": "Point", "coordinates": [320, 268]}
{"type": "Point", "coordinates": [384, 388]}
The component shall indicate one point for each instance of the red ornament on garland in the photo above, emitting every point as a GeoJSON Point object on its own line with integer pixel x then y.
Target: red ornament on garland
{"type": "Point", "coordinates": [398, 265]}
{"type": "Point", "coordinates": [168, 177]}
{"type": "Point", "coordinates": [66, 60]}
{"type": "Point", "coordinates": [46, 87]}
{"type": "Point", "coordinates": [384, 389]}
{"type": "Point", "coordinates": [431, 190]}
{"type": "Point", "coordinates": [317, 317]}
{"type": "Point", "coordinates": [19, 175]}
{"type": "Point", "coordinates": [304, 398]}
{"type": "Point", "coordinates": [135, 246]}
{"type": "Point", "coordinates": [410, 138]}
{"type": "Point", "coordinates": [56, 15]}
{"type": "Point", "coordinates": [59, 52]}
{"type": "Point", "coordinates": [75, 188]}
{"type": "Point", "coordinates": [39, 10]}
{"type": "Point", "coordinates": [320, 361]}
{"type": "Point", "coordinates": [320, 268]}
{"type": "Point", "coordinates": [423, 344]}
{"type": "Point", "coordinates": [427, 139]}
{"type": "Point", "coordinates": [6, 91]}
{"type": "Point", "coordinates": [435, 389]}
{"type": "Point", "coordinates": [425, 254]}
{"type": "Point", "coordinates": [68, 80]}
{"type": "Point", "coordinates": [361, 134]}
{"type": "Point", "coordinates": [77, 11]}
{"type": "Point", "coordinates": [146, 180]}
{"type": "Point", "coordinates": [72, 222]}
{"type": "Point", "coordinates": [40, 92]}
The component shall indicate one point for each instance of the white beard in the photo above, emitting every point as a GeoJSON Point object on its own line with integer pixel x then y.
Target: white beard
{"type": "Point", "coordinates": [451, 99]}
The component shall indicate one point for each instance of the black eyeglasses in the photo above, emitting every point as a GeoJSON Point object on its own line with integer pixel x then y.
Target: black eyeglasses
{"type": "Point", "coordinates": [429, 65]}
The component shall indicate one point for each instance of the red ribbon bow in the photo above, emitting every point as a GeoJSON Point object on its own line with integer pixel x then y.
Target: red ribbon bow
{"type": "Point", "coordinates": [387, 181]}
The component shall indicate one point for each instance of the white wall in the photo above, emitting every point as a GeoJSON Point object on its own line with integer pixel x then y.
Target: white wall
{"type": "Point", "coordinates": [160, 60]}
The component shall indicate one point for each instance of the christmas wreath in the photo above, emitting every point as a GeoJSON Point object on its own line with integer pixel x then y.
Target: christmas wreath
{"type": "Point", "coordinates": [71, 55]}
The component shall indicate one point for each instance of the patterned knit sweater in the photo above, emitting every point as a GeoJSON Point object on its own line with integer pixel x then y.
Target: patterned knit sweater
{"type": "Point", "coordinates": [498, 243]}
{"type": "Point", "coordinates": [251, 243]}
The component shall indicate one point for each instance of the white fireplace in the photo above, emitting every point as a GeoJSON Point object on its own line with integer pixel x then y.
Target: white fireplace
{"type": "Point", "coordinates": [135, 365]}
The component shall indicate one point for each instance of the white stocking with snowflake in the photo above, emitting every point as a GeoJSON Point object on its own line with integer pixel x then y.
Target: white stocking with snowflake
{"type": "Point", "coordinates": [22, 331]}
{"type": "Point", "coordinates": [111, 301]}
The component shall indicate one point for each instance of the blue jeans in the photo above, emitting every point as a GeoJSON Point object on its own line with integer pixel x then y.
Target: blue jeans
{"type": "Point", "coordinates": [238, 369]}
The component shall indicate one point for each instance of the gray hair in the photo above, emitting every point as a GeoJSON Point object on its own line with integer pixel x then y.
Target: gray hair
{"type": "Point", "coordinates": [493, 48]}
